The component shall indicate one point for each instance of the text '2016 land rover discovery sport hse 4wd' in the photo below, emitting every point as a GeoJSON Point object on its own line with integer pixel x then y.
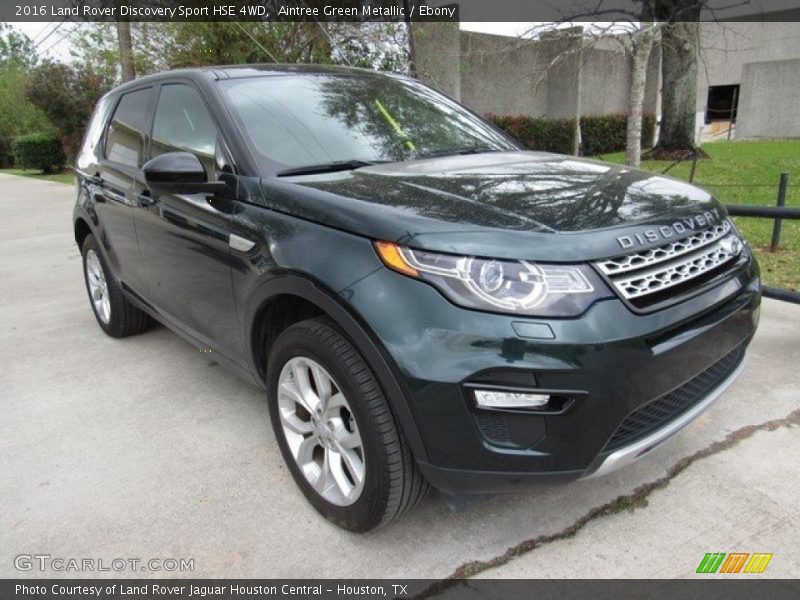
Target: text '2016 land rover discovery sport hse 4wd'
{"type": "Point", "coordinates": [425, 302]}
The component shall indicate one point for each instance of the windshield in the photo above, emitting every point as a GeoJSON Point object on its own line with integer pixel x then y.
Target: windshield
{"type": "Point", "coordinates": [293, 121]}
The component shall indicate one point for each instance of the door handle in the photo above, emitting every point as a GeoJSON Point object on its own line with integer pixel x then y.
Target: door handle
{"type": "Point", "coordinates": [239, 243]}
{"type": "Point", "coordinates": [145, 199]}
{"type": "Point", "coordinates": [112, 195]}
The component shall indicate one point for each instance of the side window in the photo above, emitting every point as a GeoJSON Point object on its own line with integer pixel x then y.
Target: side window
{"type": "Point", "coordinates": [183, 124]}
{"type": "Point", "coordinates": [126, 133]}
{"type": "Point", "coordinates": [94, 132]}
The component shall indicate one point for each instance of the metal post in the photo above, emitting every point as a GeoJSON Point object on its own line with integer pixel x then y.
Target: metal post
{"type": "Point", "coordinates": [694, 165]}
{"type": "Point", "coordinates": [732, 114]}
{"type": "Point", "coordinates": [776, 227]}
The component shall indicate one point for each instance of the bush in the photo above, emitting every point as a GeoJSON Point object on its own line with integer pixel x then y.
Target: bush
{"type": "Point", "coordinates": [548, 135]}
{"type": "Point", "coordinates": [6, 156]}
{"type": "Point", "coordinates": [41, 151]}
{"type": "Point", "coordinates": [18, 116]}
{"type": "Point", "coordinates": [599, 134]}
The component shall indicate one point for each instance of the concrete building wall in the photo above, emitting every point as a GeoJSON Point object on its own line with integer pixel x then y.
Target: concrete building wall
{"type": "Point", "coordinates": [501, 75]}
{"type": "Point", "coordinates": [726, 47]}
{"type": "Point", "coordinates": [508, 76]}
{"type": "Point", "coordinates": [724, 50]}
{"type": "Point", "coordinates": [438, 54]}
{"type": "Point", "coordinates": [768, 107]}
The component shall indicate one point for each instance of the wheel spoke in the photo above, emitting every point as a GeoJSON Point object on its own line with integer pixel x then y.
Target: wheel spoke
{"type": "Point", "coordinates": [334, 406]}
{"type": "Point", "coordinates": [305, 450]}
{"type": "Point", "coordinates": [337, 472]}
{"type": "Point", "coordinates": [289, 389]}
{"type": "Point", "coordinates": [323, 384]}
{"type": "Point", "coordinates": [345, 438]}
{"type": "Point", "coordinates": [295, 423]}
{"type": "Point", "coordinates": [301, 378]}
{"type": "Point", "coordinates": [354, 465]}
{"type": "Point", "coordinates": [325, 478]}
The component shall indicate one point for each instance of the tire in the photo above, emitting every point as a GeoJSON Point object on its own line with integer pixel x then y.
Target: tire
{"type": "Point", "coordinates": [115, 315]}
{"type": "Point", "coordinates": [356, 411]}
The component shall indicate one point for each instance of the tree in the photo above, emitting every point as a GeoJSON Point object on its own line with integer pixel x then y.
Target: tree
{"type": "Point", "coordinates": [159, 46]}
{"type": "Point", "coordinates": [67, 95]}
{"type": "Point", "coordinates": [96, 46]}
{"type": "Point", "coordinates": [680, 41]}
{"type": "Point", "coordinates": [642, 45]}
{"type": "Point", "coordinates": [16, 49]}
{"type": "Point", "coordinates": [125, 50]}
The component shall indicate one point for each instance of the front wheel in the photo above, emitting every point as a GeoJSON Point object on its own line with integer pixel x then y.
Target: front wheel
{"type": "Point", "coordinates": [336, 431]}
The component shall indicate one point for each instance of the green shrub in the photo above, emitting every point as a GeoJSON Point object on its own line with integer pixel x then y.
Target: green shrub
{"type": "Point", "coordinates": [548, 135]}
{"type": "Point", "coordinates": [599, 134]}
{"type": "Point", "coordinates": [6, 157]}
{"type": "Point", "coordinates": [41, 151]}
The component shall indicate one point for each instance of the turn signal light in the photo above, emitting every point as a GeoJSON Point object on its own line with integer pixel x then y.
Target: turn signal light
{"type": "Point", "coordinates": [390, 255]}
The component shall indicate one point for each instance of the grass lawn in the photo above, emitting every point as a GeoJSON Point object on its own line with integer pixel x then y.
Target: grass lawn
{"type": "Point", "coordinates": [747, 173]}
{"type": "Point", "coordinates": [65, 177]}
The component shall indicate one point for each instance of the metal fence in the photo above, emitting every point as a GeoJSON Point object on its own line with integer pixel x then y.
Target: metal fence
{"type": "Point", "coordinates": [777, 213]}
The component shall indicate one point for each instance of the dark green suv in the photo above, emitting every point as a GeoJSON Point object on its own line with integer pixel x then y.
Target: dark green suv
{"type": "Point", "coordinates": [424, 301]}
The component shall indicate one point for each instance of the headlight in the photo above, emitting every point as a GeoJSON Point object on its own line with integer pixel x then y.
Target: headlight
{"type": "Point", "coordinates": [518, 287]}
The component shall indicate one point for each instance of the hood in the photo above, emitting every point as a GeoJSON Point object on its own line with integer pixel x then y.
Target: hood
{"type": "Point", "coordinates": [504, 204]}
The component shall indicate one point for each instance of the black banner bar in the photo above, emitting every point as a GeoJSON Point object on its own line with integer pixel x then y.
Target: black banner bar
{"type": "Point", "coordinates": [387, 10]}
{"type": "Point", "coordinates": [710, 587]}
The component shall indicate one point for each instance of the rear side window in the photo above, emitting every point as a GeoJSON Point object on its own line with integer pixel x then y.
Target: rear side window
{"type": "Point", "coordinates": [126, 133]}
{"type": "Point", "coordinates": [95, 129]}
{"type": "Point", "coordinates": [183, 124]}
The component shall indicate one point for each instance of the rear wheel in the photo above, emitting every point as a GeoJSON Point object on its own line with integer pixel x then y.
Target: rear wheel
{"type": "Point", "coordinates": [336, 431]}
{"type": "Point", "coordinates": [115, 315]}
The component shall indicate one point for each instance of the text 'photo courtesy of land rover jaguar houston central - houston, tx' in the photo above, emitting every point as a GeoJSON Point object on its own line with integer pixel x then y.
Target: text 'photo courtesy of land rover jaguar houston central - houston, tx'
{"type": "Point", "coordinates": [425, 302]}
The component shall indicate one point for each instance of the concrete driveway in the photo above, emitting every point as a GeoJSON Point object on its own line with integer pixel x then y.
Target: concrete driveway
{"type": "Point", "coordinates": [145, 448]}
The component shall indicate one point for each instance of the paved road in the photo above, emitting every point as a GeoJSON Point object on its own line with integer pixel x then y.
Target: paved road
{"type": "Point", "coordinates": [144, 448]}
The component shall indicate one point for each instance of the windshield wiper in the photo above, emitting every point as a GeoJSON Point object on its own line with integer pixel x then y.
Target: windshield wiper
{"type": "Point", "coordinates": [458, 151]}
{"type": "Point", "coordinates": [331, 167]}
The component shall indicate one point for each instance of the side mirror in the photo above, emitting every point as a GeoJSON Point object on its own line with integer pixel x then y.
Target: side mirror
{"type": "Point", "coordinates": [179, 173]}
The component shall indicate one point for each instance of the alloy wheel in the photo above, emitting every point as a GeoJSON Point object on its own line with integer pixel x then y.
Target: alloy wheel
{"type": "Point", "coordinates": [98, 287]}
{"type": "Point", "coordinates": [321, 431]}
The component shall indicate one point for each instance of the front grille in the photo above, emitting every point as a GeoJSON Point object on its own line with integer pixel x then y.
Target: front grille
{"type": "Point", "coordinates": [643, 277]}
{"type": "Point", "coordinates": [656, 414]}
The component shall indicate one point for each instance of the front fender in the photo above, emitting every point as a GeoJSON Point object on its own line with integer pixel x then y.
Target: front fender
{"type": "Point", "coordinates": [356, 330]}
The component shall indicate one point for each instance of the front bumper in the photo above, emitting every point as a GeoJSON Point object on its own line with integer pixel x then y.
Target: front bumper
{"type": "Point", "coordinates": [610, 365]}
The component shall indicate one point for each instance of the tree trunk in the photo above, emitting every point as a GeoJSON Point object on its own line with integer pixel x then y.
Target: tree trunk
{"type": "Point", "coordinates": [412, 50]}
{"type": "Point", "coordinates": [680, 41]}
{"type": "Point", "coordinates": [577, 134]}
{"type": "Point", "coordinates": [125, 50]}
{"type": "Point", "coordinates": [642, 44]}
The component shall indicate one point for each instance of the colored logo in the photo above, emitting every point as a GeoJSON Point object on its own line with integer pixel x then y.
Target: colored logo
{"type": "Point", "coordinates": [734, 562]}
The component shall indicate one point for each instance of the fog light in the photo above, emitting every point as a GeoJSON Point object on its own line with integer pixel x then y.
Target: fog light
{"type": "Point", "coordinates": [495, 399]}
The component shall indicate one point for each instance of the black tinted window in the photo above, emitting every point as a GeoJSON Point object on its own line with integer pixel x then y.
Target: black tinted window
{"type": "Point", "coordinates": [125, 139]}
{"type": "Point", "coordinates": [183, 123]}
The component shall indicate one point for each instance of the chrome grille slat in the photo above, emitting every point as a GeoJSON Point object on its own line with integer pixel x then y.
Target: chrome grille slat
{"type": "Point", "coordinates": [638, 275]}
{"type": "Point", "coordinates": [637, 260]}
{"type": "Point", "coordinates": [667, 276]}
